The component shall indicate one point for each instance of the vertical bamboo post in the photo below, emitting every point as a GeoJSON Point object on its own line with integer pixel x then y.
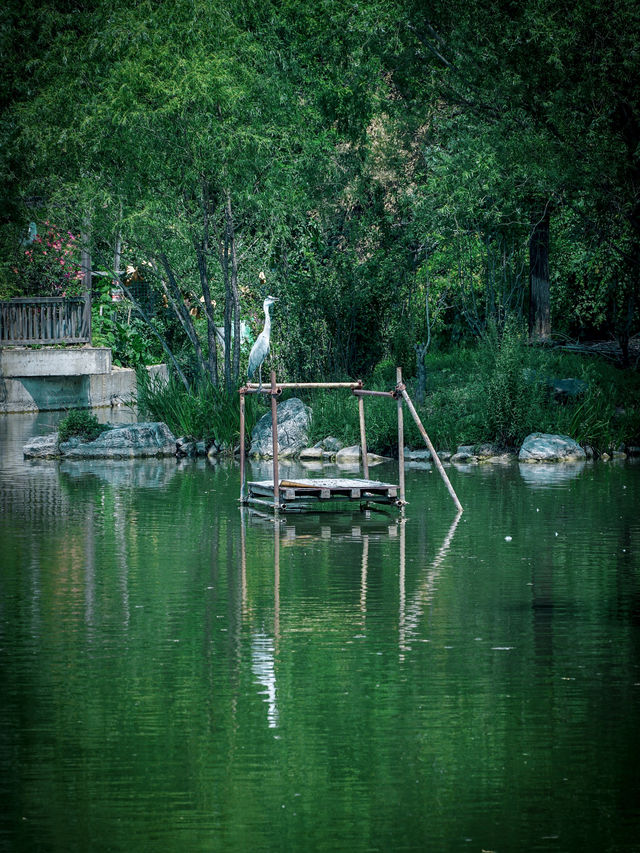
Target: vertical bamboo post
{"type": "Point", "coordinates": [274, 438]}
{"type": "Point", "coordinates": [242, 401]}
{"type": "Point", "coordinates": [363, 438]}
{"type": "Point", "coordinates": [400, 438]}
{"type": "Point", "coordinates": [427, 441]}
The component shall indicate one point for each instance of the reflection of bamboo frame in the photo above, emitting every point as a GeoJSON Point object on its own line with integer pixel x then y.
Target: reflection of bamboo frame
{"type": "Point", "coordinates": [408, 615]}
{"type": "Point", "coordinates": [272, 501]}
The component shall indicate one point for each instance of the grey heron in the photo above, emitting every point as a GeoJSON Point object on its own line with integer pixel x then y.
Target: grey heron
{"type": "Point", "coordinates": [260, 350]}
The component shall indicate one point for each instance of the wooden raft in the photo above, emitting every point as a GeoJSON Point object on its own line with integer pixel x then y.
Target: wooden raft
{"type": "Point", "coordinates": [300, 493]}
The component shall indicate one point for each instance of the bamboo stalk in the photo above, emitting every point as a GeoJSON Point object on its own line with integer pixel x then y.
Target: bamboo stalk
{"type": "Point", "coordinates": [400, 438]}
{"type": "Point", "coordinates": [427, 441]}
{"type": "Point", "coordinates": [362, 392]}
{"type": "Point", "coordinates": [242, 401]}
{"type": "Point", "coordinates": [363, 439]}
{"type": "Point", "coordinates": [252, 387]}
{"type": "Point", "coordinates": [274, 437]}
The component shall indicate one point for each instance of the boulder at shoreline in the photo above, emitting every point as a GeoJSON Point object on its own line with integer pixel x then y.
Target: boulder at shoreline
{"type": "Point", "coordinates": [294, 422]}
{"type": "Point", "coordinates": [546, 447]}
{"type": "Point", "coordinates": [128, 441]}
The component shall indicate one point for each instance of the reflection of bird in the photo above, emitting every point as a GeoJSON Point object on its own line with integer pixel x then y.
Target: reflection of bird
{"type": "Point", "coordinates": [260, 350]}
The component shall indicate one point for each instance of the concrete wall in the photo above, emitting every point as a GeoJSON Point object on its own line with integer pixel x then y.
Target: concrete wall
{"type": "Point", "coordinates": [90, 381]}
{"type": "Point", "coordinates": [16, 362]}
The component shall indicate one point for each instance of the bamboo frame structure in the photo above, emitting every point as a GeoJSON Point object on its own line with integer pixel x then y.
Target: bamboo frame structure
{"type": "Point", "coordinates": [386, 490]}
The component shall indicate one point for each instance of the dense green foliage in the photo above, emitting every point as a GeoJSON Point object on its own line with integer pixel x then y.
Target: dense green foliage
{"type": "Point", "coordinates": [80, 423]}
{"type": "Point", "coordinates": [396, 172]}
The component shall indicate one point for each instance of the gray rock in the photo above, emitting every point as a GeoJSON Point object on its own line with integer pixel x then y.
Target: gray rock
{"type": "Point", "coordinates": [465, 453]}
{"type": "Point", "coordinates": [42, 447]}
{"type": "Point", "coordinates": [201, 448]}
{"type": "Point", "coordinates": [186, 446]}
{"type": "Point", "coordinates": [348, 455]}
{"type": "Point", "coordinates": [422, 455]}
{"type": "Point", "coordinates": [333, 445]}
{"type": "Point", "coordinates": [500, 459]}
{"type": "Point", "coordinates": [464, 458]}
{"type": "Point", "coordinates": [567, 389]}
{"type": "Point", "coordinates": [122, 442]}
{"type": "Point", "coordinates": [311, 453]}
{"type": "Point", "coordinates": [375, 459]}
{"type": "Point", "coordinates": [294, 421]}
{"type": "Point", "coordinates": [487, 451]}
{"type": "Point", "coordinates": [545, 447]}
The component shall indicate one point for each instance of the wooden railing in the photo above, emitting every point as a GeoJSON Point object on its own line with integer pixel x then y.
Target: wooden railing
{"type": "Point", "coordinates": [48, 320]}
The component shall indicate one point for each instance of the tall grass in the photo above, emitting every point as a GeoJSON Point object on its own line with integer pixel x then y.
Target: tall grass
{"type": "Point", "coordinates": [203, 412]}
{"type": "Point", "coordinates": [512, 392]}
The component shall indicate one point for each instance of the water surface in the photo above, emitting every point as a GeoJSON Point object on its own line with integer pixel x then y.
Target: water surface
{"type": "Point", "coordinates": [180, 674]}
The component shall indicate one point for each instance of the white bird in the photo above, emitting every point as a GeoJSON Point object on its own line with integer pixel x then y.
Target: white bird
{"type": "Point", "coordinates": [260, 350]}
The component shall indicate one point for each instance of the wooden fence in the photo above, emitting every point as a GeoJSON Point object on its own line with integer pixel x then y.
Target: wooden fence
{"type": "Point", "coordinates": [48, 320]}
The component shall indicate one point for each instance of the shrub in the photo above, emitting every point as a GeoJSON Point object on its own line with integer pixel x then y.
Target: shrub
{"type": "Point", "coordinates": [80, 423]}
{"type": "Point", "coordinates": [49, 265]}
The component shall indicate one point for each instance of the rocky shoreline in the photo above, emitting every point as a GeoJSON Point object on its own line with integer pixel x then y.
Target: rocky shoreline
{"type": "Point", "coordinates": [153, 439]}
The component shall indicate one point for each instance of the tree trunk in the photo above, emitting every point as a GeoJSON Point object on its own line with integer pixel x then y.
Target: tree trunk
{"type": "Point", "coordinates": [539, 303]}
{"type": "Point", "coordinates": [235, 296]}
{"type": "Point", "coordinates": [202, 249]}
{"type": "Point", "coordinates": [421, 373]}
{"type": "Point", "coordinates": [182, 312]}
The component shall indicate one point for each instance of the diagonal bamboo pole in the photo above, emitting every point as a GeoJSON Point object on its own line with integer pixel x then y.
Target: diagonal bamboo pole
{"type": "Point", "coordinates": [400, 388]}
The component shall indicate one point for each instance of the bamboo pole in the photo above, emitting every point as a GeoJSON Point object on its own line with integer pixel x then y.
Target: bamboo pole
{"type": "Point", "coordinates": [274, 437]}
{"type": "Point", "coordinates": [427, 440]}
{"type": "Point", "coordinates": [253, 387]}
{"type": "Point", "coordinates": [363, 439]}
{"type": "Point", "coordinates": [362, 392]}
{"type": "Point", "coordinates": [242, 401]}
{"type": "Point", "coordinates": [400, 438]}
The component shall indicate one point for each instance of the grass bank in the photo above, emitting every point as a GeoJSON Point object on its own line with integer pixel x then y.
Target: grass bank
{"type": "Point", "coordinates": [499, 392]}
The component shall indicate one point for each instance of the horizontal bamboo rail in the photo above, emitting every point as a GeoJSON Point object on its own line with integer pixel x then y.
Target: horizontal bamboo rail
{"type": "Point", "coordinates": [362, 392]}
{"type": "Point", "coordinates": [254, 387]}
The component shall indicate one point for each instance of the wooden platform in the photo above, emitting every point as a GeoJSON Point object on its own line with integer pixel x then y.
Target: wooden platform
{"type": "Point", "coordinates": [304, 494]}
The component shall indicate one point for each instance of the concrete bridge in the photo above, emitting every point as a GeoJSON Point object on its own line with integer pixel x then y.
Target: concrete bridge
{"type": "Point", "coordinates": [50, 378]}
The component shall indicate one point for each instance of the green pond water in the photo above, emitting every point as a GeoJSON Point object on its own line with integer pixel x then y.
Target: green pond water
{"type": "Point", "coordinates": [178, 674]}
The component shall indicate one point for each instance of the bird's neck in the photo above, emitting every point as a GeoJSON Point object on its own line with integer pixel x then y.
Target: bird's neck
{"type": "Point", "coordinates": [267, 320]}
